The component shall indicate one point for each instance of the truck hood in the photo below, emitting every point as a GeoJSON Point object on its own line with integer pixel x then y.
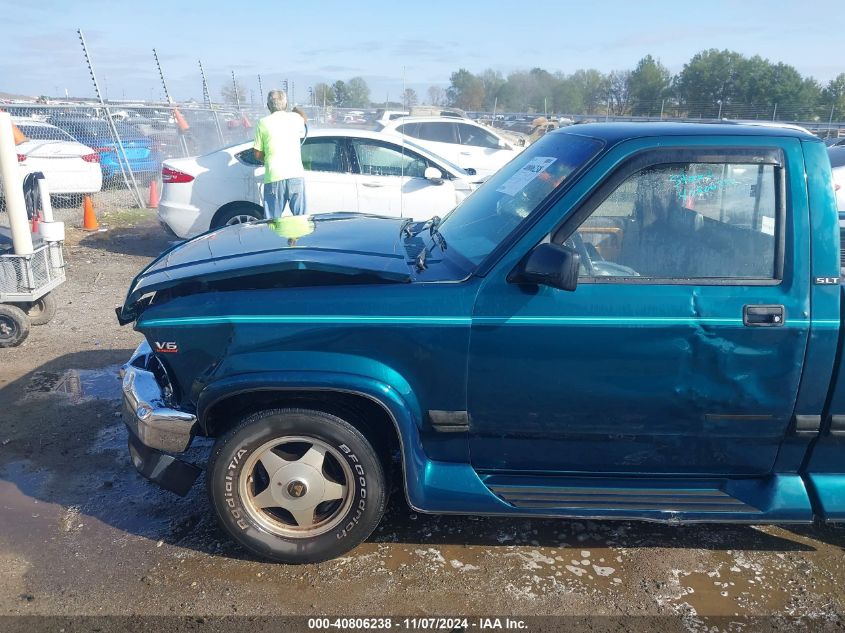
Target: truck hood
{"type": "Point", "coordinates": [334, 248]}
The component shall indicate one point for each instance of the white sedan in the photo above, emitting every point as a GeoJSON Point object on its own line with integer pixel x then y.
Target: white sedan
{"type": "Point", "coordinates": [837, 161]}
{"type": "Point", "coordinates": [346, 170]}
{"type": "Point", "coordinates": [464, 142]}
{"type": "Point", "coordinates": [70, 168]}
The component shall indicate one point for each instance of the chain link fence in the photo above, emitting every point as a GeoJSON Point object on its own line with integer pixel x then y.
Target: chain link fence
{"type": "Point", "coordinates": [114, 154]}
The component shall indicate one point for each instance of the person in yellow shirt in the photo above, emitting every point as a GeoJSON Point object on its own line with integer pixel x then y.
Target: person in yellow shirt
{"type": "Point", "coordinates": [277, 145]}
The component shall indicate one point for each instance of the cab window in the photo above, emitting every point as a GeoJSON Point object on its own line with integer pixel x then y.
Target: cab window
{"type": "Point", "coordinates": [384, 159]}
{"type": "Point", "coordinates": [477, 136]}
{"type": "Point", "coordinates": [685, 221]}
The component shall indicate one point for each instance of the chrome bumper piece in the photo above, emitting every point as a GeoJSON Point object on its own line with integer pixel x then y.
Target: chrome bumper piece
{"type": "Point", "coordinates": [145, 412]}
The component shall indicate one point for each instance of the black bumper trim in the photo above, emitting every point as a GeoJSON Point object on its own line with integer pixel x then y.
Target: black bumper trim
{"type": "Point", "coordinates": [165, 470]}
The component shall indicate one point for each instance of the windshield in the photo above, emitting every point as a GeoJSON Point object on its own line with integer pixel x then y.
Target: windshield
{"type": "Point", "coordinates": [44, 132]}
{"type": "Point", "coordinates": [496, 208]}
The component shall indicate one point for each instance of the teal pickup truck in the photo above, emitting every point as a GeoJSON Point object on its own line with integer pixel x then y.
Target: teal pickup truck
{"type": "Point", "coordinates": [628, 321]}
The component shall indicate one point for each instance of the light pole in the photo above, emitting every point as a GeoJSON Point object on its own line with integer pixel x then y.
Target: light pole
{"type": "Point", "coordinates": [720, 109]}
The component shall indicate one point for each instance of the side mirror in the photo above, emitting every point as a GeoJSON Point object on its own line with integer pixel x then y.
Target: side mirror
{"type": "Point", "coordinates": [502, 144]}
{"type": "Point", "coordinates": [434, 175]}
{"type": "Point", "coordinates": [549, 265]}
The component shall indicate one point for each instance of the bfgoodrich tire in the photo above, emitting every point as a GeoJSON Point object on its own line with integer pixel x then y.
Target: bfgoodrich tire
{"type": "Point", "coordinates": [296, 485]}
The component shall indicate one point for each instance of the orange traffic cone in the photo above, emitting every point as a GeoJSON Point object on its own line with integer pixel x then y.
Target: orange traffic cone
{"type": "Point", "coordinates": [180, 120]}
{"type": "Point", "coordinates": [152, 202]}
{"type": "Point", "coordinates": [89, 218]}
{"type": "Point", "coordinates": [18, 136]}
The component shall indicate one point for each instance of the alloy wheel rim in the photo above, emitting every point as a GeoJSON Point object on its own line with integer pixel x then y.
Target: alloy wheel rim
{"type": "Point", "coordinates": [296, 486]}
{"type": "Point", "coordinates": [240, 219]}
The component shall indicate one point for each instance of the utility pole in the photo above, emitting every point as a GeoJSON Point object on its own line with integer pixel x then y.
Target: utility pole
{"type": "Point", "coordinates": [182, 140]}
{"type": "Point", "coordinates": [662, 103]}
{"type": "Point", "coordinates": [775, 113]}
{"type": "Point", "coordinates": [206, 97]}
{"type": "Point", "coordinates": [260, 88]}
{"type": "Point", "coordinates": [237, 95]}
{"type": "Point", "coordinates": [125, 169]}
{"type": "Point", "coordinates": [720, 109]}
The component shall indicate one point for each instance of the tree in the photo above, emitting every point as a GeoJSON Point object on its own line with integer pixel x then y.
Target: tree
{"type": "Point", "coordinates": [618, 91]}
{"type": "Point", "coordinates": [834, 95]}
{"type": "Point", "coordinates": [708, 81]}
{"type": "Point", "coordinates": [567, 97]}
{"type": "Point", "coordinates": [358, 93]}
{"type": "Point", "coordinates": [228, 93]}
{"type": "Point", "coordinates": [492, 81]}
{"type": "Point", "coordinates": [648, 85]}
{"type": "Point", "coordinates": [409, 98]}
{"type": "Point", "coordinates": [465, 91]}
{"type": "Point", "coordinates": [436, 95]}
{"type": "Point", "coordinates": [323, 94]}
{"type": "Point", "coordinates": [341, 93]}
{"type": "Point", "coordinates": [593, 88]}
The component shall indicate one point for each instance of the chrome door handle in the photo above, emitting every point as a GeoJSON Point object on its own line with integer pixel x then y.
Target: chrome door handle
{"type": "Point", "coordinates": [372, 184]}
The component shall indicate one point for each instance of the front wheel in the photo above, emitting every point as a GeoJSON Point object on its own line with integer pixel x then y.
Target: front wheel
{"type": "Point", "coordinates": [14, 325]}
{"type": "Point", "coordinates": [296, 486]}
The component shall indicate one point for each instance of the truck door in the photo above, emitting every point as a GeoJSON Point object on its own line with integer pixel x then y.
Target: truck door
{"type": "Point", "coordinates": [680, 351]}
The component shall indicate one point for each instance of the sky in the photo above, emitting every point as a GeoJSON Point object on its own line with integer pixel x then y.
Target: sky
{"type": "Point", "coordinates": [420, 43]}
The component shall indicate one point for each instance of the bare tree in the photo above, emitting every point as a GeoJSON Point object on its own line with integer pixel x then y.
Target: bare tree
{"type": "Point", "coordinates": [228, 93]}
{"type": "Point", "coordinates": [409, 98]}
{"type": "Point", "coordinates": [436, 95]}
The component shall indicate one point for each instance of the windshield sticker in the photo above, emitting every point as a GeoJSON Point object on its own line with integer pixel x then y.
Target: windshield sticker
{"type": "Point", "coordinates": [529, 172]}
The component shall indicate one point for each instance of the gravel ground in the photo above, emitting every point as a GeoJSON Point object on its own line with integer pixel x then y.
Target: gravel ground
{"type": "Point", "coordinates": [82, 534]}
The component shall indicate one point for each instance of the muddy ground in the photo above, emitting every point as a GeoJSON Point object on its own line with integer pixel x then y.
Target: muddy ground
{"type": "Point", "coordinates": [82, 534]}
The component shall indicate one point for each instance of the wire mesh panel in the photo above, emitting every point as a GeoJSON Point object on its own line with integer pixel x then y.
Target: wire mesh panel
{"type": "Point", "coordinates": [26, 278]}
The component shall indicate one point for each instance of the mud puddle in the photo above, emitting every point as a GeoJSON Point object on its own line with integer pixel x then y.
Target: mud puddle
{"type": "Point", "coordinates": [102, 383]}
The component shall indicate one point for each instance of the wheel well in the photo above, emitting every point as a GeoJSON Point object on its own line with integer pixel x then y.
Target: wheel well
{"type": "Point", "coordinates": [365, 414]}
{"type": "Point", "coordinates": [229, 206]}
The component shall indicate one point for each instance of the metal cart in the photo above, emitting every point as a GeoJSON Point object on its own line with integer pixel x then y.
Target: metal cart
{"type": "Point", "coordinates": [25, 285]}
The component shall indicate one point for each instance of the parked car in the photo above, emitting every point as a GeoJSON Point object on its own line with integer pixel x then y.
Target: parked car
{"type": "Point", "coordinates": [834, 141]}
{"type": "Point", "coordinates": [70, 168]}
{"type": "Point", "coordinates": [346, 170]}
{"type": "Point", "coordinates": [465, 143]}
{"type": "Point", "coordinates": [837, 161]}
{"type": "Point", "coordinates": [627, 321]}
{"type": "Point", "coordinates": [383, 117]}
{"type": "Point", "coordinates": [142, 153]}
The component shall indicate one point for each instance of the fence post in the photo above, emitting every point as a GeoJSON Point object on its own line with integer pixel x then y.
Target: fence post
{"type": "Point", "coordinates": [217, 124]}
{"type": "Point", "coordinates": [830, 119]}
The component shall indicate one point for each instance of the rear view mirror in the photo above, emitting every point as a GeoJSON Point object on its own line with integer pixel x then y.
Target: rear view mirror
{"type": "Point", "coordinates": [502, 144]}
{"type": "Point", "coordinates": [471, 171]}
{"type": "Point", "coordinates": [434, 175]}
{"type": "Point", "coordinates": [549, 265]}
